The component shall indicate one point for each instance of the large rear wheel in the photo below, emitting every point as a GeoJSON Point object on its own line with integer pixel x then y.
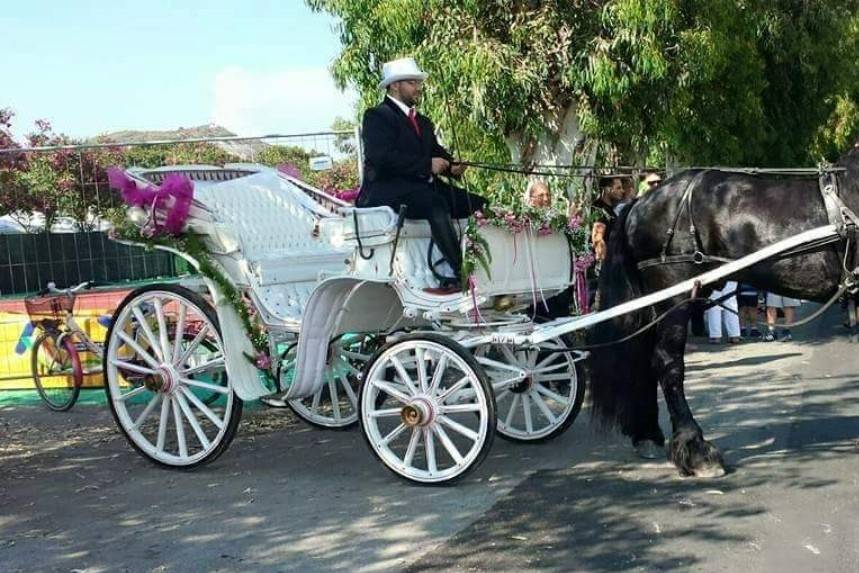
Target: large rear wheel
{"type": "Point", "coordinates": [162, 367]}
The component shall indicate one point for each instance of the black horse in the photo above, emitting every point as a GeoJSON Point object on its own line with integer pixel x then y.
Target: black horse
{"type": "Point", "coordinates": [722, 215]}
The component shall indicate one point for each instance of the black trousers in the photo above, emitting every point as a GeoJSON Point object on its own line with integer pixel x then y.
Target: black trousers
{"type": "Point", "coordinates": [439, 205]}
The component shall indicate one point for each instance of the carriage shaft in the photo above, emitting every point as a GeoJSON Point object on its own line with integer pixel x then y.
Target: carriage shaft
{"type": "Point", "coordinates": [567, 325]}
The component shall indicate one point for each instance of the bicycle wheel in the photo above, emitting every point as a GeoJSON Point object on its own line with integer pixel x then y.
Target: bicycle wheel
{"type": "Point", "coordinates": [57, 371]}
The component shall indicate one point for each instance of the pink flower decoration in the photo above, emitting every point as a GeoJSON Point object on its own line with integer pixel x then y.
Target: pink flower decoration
{"type": "Point", "coordinates": [263, 361]}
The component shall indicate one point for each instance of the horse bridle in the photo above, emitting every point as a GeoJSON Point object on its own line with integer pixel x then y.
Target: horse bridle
{"type": "Point", "coordinates": [838, 213]}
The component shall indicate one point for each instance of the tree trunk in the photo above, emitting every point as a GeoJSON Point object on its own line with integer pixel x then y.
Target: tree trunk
{"type": "Point", "coordinates": [562, 143]}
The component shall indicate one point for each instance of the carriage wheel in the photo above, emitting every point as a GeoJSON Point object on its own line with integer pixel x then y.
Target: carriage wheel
{"type": "Point", "coordinates": [426, 409]}
{"type": "Point", "coordinates": [161, 369]}
{"type": "Point", "coordinates": [543, 404]}
{"type": "Point", "coordinates": [335, 404]}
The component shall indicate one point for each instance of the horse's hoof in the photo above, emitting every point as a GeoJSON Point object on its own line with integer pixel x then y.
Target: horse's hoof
{"type": "Point", "coordinates": [649, 450]}
{"type": "Point", "coordinates": [695, 456]}
{"type": "Point", "coordinates": [710, 471]}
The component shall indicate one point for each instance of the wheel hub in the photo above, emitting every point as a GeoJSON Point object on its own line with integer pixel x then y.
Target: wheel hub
{"type": "Point", "coordinates": [523, 385]}
{"type": "Point", "coordinates": [164, 380]}
{"type": "Point", "coordinates": [419, 412]}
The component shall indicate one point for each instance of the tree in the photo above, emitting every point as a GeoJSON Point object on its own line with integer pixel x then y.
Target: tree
{"type": "Point", "coordinates": [563, 81]}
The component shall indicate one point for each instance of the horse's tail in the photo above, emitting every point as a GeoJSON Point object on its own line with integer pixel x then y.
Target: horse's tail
{"type": "Point", "coordinates": [620, 374]}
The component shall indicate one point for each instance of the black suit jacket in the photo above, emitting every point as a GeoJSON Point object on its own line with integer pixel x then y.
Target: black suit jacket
{"type": "Point", "coordinates": [397, 162]}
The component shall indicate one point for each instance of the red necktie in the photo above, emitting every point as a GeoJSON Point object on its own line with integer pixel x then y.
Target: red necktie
{"type": "Point", "coordinates": [413, 119]}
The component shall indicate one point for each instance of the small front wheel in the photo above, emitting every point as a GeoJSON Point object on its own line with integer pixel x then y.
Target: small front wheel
{"type": "Point", "coordinates": [426, 409]}
{"type": "Point", "coordinates": [57, 371]}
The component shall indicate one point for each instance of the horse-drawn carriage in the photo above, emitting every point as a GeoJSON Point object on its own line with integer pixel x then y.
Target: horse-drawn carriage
{"type": "Point", "coordinates": [338, 291]}
{"type": "Point", "coordinates": [354, 333]}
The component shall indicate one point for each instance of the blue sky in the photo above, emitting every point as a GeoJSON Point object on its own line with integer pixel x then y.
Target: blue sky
{"type": "Point", "coordinates": [93, 66]}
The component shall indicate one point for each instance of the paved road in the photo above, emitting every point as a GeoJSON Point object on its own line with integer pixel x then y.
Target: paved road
{"type": "Point", "coordinates": [73, 496]}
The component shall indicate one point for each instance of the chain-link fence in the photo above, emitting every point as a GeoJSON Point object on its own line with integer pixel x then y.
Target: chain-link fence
{"type": "Point", "coordinates": [56, 204]}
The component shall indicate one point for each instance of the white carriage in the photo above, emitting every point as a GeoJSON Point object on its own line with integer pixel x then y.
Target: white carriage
{"type": "Point", "coordinates": [341, 293]}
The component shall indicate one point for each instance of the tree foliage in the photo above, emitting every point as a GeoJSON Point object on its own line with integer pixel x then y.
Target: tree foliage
{"type": "Point", "coordinates": [762, 82]}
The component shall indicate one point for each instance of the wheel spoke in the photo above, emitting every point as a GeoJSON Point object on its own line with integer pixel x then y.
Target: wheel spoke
{"type": "Point", "coordinates": [552, 368]}
{"type": "Point", "coordinates": [512, 410]}
{"type": "Point", "coordinates": [459, 408]}
{"type": "Point", "coordinates": [146, 412]}
{"type": "Point", "coordinates": [422, 369]}
{"type": "Point", "coordinates": [526, 409]}
{"type": "Point", "coordinates": [147, 332]}
{"type": "Point", "coordinates": [505, 383]}
{"type": "Point", "coordinates": [132, 393]}
{"type": "Point", "coordinates": [404, 376]}
{"type": "Point", "coordinates": [314, 404]}
{"type": "Point", "coordinates": [216, 362]}
{"type": "Point", "coordinates": [438, 374]}
{"type": "Point", "coordinates": [543, 362]}
{"type": "Point", "coordinates": [208, 412]}
{"type": "Point", "coordinates": [392, 390]}
{"type": "Point", "coordinates": [347, 387]}
{"type": "Point", "coordinates": [162, 423]}
{"type": "Point", "coordinates": [131, 367]}
{"type": "Point", "coordinates": [386, 413]}
{"type": "Point", "coordinates": [138, 349]}
{"type": "Point", "coordinates": [204, 385]}
{"type": "Point", "coordinates": [429, 449]}
{"type": "Point", "coordinates": [548, 393]}
{"type": "Point", "coordinates": [162, 330]}
{"type": "Point", "coordinates": [335, 398]}
{"type": "Point", "coordinates": [460, 384]}
{"type": "Point", "coordinates": [458, 428]}
{"type": "Point", "coordinates": [448, 444]}
{"type": "Point", "coordinates": [180, 429]}
{"type": "Point", "coordinates": [193, 346]}
{"type": "Point", "coordinates": [511, 358]}
{"type": "Point", "coordinates": [192, 419]}
{"type": "Point", "coordinates": [413, 446]}
{"type": "Point", "coordinates": [393, 435]}
{"type": "Point", "coordinates": [179, 335]}
{"type": "Point", "coordinates": [554, 377]}
{"type": "Point", "coordinates": [544, 408]}
{"type": "Point", "coordinates": [502, 396]}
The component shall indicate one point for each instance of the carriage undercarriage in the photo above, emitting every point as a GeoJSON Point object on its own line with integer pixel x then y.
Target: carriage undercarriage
{"type": "Point", "coordinates": [353, 335]}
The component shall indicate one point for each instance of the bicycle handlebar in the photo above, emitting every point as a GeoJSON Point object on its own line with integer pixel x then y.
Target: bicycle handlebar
{"type": "Point", "coordinates": [52, 288]}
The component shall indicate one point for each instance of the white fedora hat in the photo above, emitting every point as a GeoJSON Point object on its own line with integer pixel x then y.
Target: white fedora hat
{"type": "Point", "coordinates": [398, 70]}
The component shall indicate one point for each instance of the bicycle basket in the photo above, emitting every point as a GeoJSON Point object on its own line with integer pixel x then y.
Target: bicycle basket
{"type": "Point", "coordinates": [45, 307]}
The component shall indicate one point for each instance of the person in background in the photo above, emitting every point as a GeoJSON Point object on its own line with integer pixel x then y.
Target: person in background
{"type": "Point", "coordinates": [788, 306]}
{"type": "Point", "coordinates": [608, 205]}
{"type": "Point", "coordinates": [747, 300]}
{"type": "Point", "coordinates": [724, 312]}
{"type": "Point", "coordinates": [538, 195]}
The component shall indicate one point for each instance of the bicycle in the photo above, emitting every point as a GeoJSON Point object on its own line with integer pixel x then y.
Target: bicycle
{"type": "Point", "coordinates": [58, 371]}
{"type": "Point", "coordinates": [55, 360]}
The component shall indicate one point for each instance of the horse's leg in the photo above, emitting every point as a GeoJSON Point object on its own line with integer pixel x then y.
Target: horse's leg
{"type": "Point", "coordinates": [647, 437]}
{"type": "Point", "coordinates": [689, 451]}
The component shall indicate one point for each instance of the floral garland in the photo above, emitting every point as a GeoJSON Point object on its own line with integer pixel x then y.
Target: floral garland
{"type": "Point", "coordinates": [542, 221]}
{"type": "Point", "coordinates": [172, 201]}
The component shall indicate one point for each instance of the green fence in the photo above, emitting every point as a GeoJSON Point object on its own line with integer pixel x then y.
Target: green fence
{"type": "Point", "coordinates": [29, 261]}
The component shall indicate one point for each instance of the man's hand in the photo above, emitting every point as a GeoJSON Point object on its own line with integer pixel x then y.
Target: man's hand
{"type": "Point", "coordinates": [457, 169]}
{"type": "Point", "coordinates": [440, 165]}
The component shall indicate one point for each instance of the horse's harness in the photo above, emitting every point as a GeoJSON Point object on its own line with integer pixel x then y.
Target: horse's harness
{"type": "Point", "coordinates": [839, 214]}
